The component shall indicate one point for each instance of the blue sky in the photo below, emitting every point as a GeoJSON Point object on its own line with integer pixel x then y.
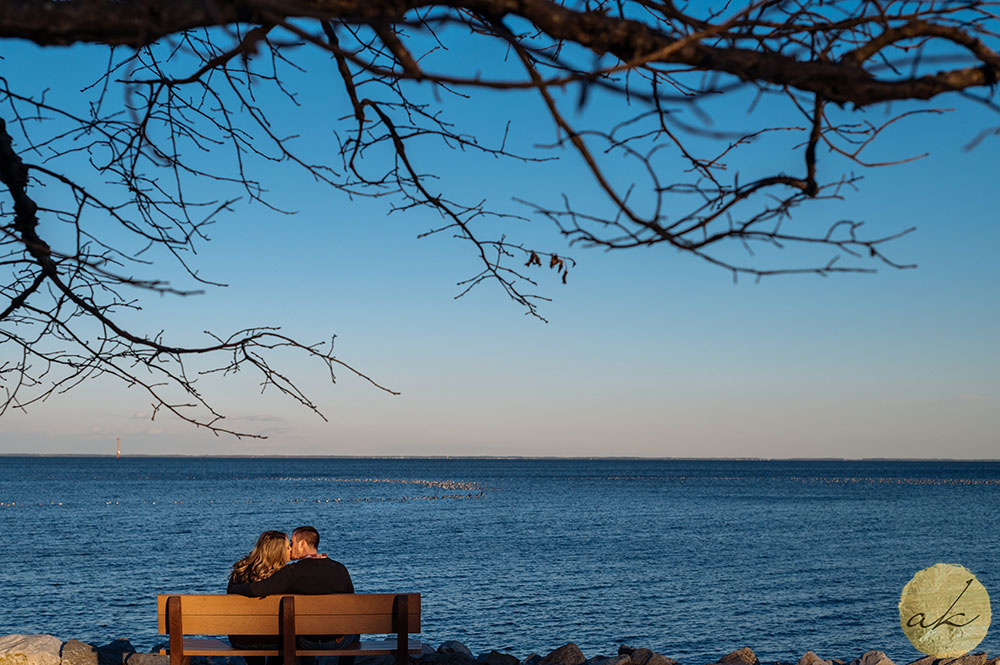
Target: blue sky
{"type": "Point", "coordinates": [646, 353]}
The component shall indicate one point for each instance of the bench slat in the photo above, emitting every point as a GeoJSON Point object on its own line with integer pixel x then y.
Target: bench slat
{"type": "Point", "coordinates": [349, 603]}
{"type": "Point", "coordinates": [205, 647]}
{"type": "Point", "coordinates": [304, 625]}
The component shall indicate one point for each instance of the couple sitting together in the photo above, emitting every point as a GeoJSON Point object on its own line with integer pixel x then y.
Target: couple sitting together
{"type": "Point", "coordinates": [264, 572]}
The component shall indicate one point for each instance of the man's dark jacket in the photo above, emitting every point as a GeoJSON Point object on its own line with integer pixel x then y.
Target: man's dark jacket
{"type": "Point", "coordinates": [306, 576]}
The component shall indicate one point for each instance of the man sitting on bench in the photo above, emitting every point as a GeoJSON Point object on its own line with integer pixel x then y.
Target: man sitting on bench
{"type": "Point", "coordinates": [312, 573]}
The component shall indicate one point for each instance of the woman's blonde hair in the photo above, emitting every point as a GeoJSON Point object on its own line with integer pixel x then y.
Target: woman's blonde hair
{"type": "Point", "coordinates": [265, 559]}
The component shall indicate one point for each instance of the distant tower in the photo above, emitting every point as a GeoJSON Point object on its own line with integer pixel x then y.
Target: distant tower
{"type": "Point", "coordinates": [118, 448]}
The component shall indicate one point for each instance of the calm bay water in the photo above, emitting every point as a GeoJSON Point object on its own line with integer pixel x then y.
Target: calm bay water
{"type": "Point", "coordinates": [690, 558]}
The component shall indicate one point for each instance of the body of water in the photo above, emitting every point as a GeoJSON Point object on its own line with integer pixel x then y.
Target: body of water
{"type": "Point", "coordinates": [692, 559]}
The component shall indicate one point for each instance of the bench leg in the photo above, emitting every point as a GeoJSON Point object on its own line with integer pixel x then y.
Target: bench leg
{"type": "Point", "coordinates": [401, 611]}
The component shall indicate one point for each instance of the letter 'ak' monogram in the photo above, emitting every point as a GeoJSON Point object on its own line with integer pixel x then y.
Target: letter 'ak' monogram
{"type": "Point", "coordinates": [956, 630]}
{"type": "Point", "coordinates": [944, 620]}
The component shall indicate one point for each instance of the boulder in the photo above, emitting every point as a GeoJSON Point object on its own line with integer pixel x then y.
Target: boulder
{"type": "Point", "coordinates": [971, 659]}
{"type": "Point", "coordinates": [426, 650]}
{"type": "Point", "coordinates": [148, 659]}
{"type": "Point", "coordinates": [114, 653]}
{"type": "Point", "coordinates": [649, 657]}
{"type": "Point", "coordinates": [567, 654]}
{"type": "Point", "coordinates": [624, 650]}
{"type": "Point", "coordinates": [497, 658]}
{"type": "Point", "coordinates": [457, 648]}
{"type": "Point", "coordinates": [370, 660]}
{"type": "Point", "coordinates": [810, 658]}
{"type": "Point", "coordinates": [613, 660]}
{"type": "Point", "coordinates": [966, 659]}
{"type": "Point", "coordinates": [532, 659]}
{"type": "Point", "coordinates": [872, 658]}
{"type": "Point", "coordinates": [744, 656]}
{"type": "Point", "coordinates": [30, 650]}
{"type": "Point", "coordinates": [448, 657]}
{"type": "Point", "coordinates": [75, 652]}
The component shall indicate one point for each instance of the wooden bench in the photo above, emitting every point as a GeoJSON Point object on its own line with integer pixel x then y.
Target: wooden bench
{"type": "Point", "coordinates": [287, 617]}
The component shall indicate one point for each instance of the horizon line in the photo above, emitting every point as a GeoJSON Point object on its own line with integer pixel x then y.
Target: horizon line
{"type": "Point", "coordinates": [512, 457]}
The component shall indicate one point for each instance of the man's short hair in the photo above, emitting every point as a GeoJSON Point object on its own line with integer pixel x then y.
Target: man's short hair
{"type": "Point", "coordinates": [309, 534]}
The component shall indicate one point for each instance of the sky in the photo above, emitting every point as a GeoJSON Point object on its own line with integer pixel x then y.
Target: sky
{"type": "Point", "coordinates": [645, 353]}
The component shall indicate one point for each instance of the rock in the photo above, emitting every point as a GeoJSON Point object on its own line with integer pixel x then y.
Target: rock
{"type": "Point", "coordinates": [649, 657]}
{"type": "Point", "coordinates": [744, 656]}
{"type": "Point", "coordinates": [568, 654]}
{"type": "Point", "coordinates": [613, 660]}
{"type": "Point", "coordinates": [532, 659]}
{"type": "Point", "coordinates": [426, 650]}
{"type": "Point", "coordinates": [115, 653]}
{"type": "Point", "coordinates": [872, 658]}
{"type": "Point", "coordinates": [457, 648]}
{"type": "Point", "coordinates": [148, 659]}
{"type": "Point", "coordinates": [497, 658]}
{"type": "Point", "coordinates": [966, 659]}
{"type": "Point", "coordinates": [30, 650]}
{"type": "Point", "coordinates": [75, 652]}
{"type": "Point", "coordinates": [372, 660]}
{"type": "Point", "coordinates": [447, 654]}
{"type": "Point", "coordinates": [811, 658]}
{"type": "Point", "coordinates": [625, 650]}
{"type": "Point", "coordinates": [970, 659]}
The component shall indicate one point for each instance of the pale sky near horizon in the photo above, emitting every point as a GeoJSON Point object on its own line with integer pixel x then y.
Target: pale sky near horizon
{"type": "Point", "coordinates": [645, 353]}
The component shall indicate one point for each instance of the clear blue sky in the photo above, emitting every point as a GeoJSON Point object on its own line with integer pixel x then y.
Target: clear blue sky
{"type": "Point", "coordinates": [646, 353]}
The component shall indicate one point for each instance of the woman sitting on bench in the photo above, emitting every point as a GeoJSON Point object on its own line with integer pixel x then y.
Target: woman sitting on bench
{"type": "Point", "coordinates": [267, 557]}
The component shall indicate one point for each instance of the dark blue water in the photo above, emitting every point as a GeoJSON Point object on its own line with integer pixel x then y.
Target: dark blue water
{"type": "Point", "coordinates": [690, 558]}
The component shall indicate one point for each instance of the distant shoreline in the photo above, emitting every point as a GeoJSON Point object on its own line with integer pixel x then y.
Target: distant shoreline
{"type": "Point", "coordinates": [510, 457]}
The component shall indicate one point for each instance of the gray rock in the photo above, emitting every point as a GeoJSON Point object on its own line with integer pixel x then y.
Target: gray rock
{"type": "Point", "coordinates": [114, 653]}
{"type": "Point", "coordinates": [148, 659]}
{"type": "Point", "coordinates": [457, 648]}
{"type": "Point", "coordinates": [872, 658]}
{"type": "Point", "coordinates": [425, 651]}
{"type": "Point", "coordinates": [447, 658]}
{"type": "Point", "coordinates": [75, 652]}
{"type": "Point", "coordinates": [613, 660]}
{"type": "Point", "coordinates": [810, 658]}
{"type": "Point", "coordinates": [567, 654]}
{"type": "Point", "coordinates": [497, 658]}
{"type": "Point", "coordinates": [744, 656]}
{"type": "Point", "coordinates": [375, 660]}
{"type": "Point", "coordinates": [966, 659]}
{"type": "Point", "coordinates": [971, 659]}
{"type": "Point", "coordinates": [532, 659]}
{"type": "Point", "coordinates": [649, 657]}
{"type": "Point", "coordinates": [30, 650]}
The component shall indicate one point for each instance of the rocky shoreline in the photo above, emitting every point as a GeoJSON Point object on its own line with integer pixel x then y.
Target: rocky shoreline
{"type": "Point", "coordinates": [50, 650]}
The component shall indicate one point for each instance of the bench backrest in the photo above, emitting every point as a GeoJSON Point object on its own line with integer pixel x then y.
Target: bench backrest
{"type": "Point", "coordinates": [342, 613]}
